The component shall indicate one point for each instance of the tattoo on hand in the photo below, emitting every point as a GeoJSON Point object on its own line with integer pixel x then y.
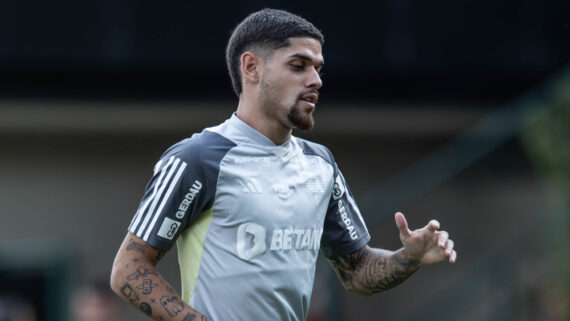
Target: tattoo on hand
{"type": "Point", "coordinates": [367, 271]}
{"type": "Point", "coordinates": [172, 304]}
{"type": "Point", "coordinates": [141, 272]}
{"type": "Point", "coordinates": [147, 286]}
{"type": "Point", "coordinates": [129, 294]}
{"type": "Point", "coordinates": [145, 307]}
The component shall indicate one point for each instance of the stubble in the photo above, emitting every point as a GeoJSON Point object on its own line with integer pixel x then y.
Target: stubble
{"type": "Point", "coordinates": [274, 106]}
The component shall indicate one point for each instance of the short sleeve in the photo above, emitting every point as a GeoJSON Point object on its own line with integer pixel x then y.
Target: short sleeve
{"type": "Point", "coordinates": [182, 186]}
{"type": "Point", "coordinates": [344, 228]}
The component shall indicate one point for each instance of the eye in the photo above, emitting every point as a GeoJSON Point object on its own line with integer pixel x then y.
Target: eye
{"type": "Point", "coordinates": [297, 67]}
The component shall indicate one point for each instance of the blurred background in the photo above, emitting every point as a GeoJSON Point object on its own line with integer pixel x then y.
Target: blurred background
{"type": "Point", "coordinates": [452, 110]}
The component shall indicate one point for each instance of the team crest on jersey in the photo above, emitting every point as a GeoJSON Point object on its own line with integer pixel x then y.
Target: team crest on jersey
{"type": "Point", "coordinates": [316, 187]}
{"type": "Point", "coordinates": [283, 190]}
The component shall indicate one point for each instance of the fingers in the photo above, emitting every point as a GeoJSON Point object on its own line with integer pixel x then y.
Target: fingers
{"type": "Point", "coordinates": [402, 224]}
{"type": "Point", "coordinates": [443, 236]}
{"type": "Point", "coordinates": [445, 243]}
{"type": "Point", "coordinates": [433, 226]}
{"type": "Point", "coordinates": [453, 257]}
{"type": "Point", "coordinates": [448, 246]}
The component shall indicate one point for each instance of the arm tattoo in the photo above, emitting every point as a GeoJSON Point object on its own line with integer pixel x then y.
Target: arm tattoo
{"type": "Point", "coordinates": [368, 271]}
{"type": "Point", "coordinates": [141, 272]}
{"type": "Point", "coordinates": [147, 286]}
{"type": "Point", "coordinates": [145, 307]}
{"type": "Point", "coordinates": [172, 304]}
{"type": "Point", "coordinates": [192, 317]}
{"type": "Point", "coordinates": [129, 294]}
{"type": "Point", "coordinates": [170, 289]}
{"type": "Point", "coordinates": [189, 317]}
{"type": "Point", "coordinates": [135, 246]}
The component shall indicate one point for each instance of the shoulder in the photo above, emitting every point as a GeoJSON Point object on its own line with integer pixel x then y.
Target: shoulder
{"type": "Point", "coordinates": [203, 146]}
{"type": "Point", "coordinates": [312, 148]}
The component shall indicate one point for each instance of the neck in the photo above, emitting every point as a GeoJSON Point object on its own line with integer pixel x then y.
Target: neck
{"type": "Point", "coordinates": [253, 115]}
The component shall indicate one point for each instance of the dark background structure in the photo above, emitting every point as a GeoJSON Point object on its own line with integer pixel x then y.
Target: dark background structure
{"type": "Point", "coordinates": [397, 50]}
{"type": "Point", "coordinates": [451, 110]}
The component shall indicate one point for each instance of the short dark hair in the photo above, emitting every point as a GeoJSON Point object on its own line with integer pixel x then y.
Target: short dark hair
{"type": "Point", "coordinates": [267, 29]}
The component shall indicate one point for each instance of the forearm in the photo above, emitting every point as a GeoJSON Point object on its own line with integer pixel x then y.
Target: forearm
{"type": "Point", "coordinates": [369, 271]}
{"type": "Point", "coordinates": [136, 280]}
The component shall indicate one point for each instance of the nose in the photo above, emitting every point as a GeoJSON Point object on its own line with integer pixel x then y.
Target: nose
{"type": "Point", "coordinates": [314, 80]}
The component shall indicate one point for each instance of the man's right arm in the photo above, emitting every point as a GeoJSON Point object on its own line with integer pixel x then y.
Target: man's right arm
{"type": "Point", "coordinates": [135, 279]}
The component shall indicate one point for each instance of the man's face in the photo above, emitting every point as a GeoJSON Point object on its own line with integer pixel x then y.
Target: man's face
{"type": "Point", "coordinates": [290, 82]}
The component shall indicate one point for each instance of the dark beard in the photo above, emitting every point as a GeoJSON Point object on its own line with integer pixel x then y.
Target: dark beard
{"type": "Point", "coordinates": [272, 107]}
{"type": "Point", "coordinates": [299, 119]}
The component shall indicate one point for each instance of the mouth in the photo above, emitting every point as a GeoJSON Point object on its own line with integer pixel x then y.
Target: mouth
{"type": "Point", "coordinates": [310, 98]}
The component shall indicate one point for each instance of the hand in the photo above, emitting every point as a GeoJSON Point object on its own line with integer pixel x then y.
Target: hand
{"type": "Point", "coordinates": [428, 245]}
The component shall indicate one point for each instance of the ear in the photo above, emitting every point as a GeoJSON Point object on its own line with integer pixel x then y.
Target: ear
{"type": "Point", "coordinates": [250, 67]}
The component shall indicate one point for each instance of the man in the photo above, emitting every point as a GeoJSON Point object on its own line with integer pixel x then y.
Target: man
{"type": "Point", "coordinates": [250, 205]}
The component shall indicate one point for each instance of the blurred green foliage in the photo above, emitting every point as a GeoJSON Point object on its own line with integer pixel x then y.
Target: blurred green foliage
{"type": "Point", "coordinates": [547, 142]}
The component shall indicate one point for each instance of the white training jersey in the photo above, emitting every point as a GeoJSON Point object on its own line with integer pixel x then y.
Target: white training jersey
{"type": "Point", "coordinates": [249, 218]}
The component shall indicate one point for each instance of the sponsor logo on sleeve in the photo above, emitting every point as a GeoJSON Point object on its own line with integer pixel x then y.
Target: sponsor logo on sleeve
{"type": "Point", "coordinates": [188, 199]}
{"type": "Point", "coordinates": [168, 228]}
{"type": "Point", "coordinates": [346, 220]}
{"type": "Point", "coordinates": [338, 188]}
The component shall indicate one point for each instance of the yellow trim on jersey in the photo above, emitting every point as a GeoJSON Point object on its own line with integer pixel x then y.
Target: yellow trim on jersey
{"type": "Point", "coordinates": [190, 247]}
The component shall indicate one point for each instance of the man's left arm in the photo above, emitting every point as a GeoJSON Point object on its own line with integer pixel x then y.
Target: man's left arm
{"type": "Point", "coordinates": [368, 270]}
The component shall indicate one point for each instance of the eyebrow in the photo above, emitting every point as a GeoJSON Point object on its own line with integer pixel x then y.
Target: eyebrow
{"type": "Point", "coordinates": [307, 58]}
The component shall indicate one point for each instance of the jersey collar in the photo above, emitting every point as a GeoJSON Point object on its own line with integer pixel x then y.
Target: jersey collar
{"type": "Point", "coordinates": [258, 138]}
